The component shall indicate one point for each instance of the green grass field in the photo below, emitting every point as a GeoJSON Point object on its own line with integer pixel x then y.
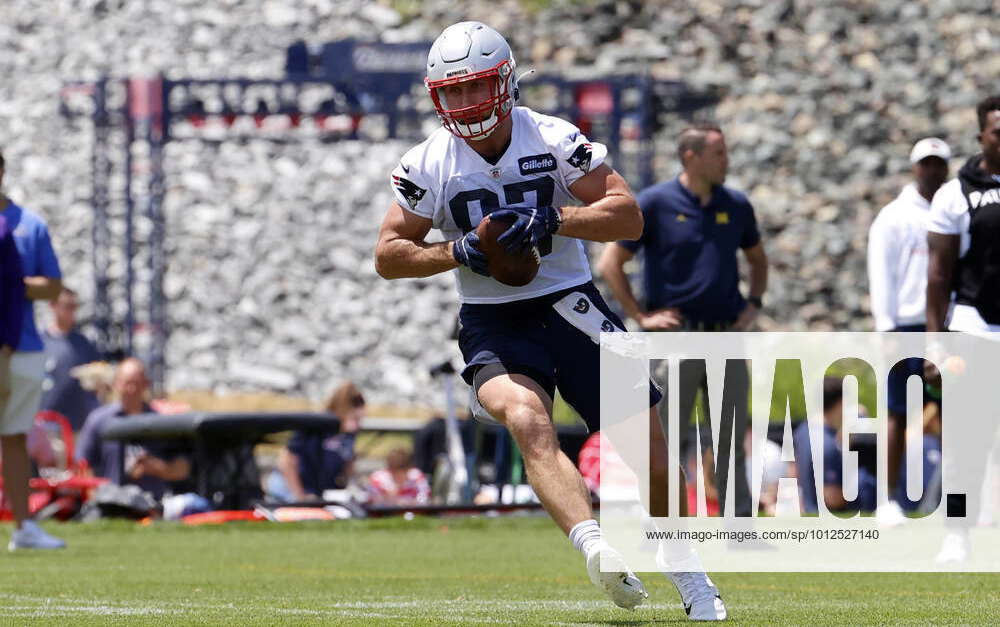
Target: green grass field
{"type": "Point", "coordinates": [514, 571]}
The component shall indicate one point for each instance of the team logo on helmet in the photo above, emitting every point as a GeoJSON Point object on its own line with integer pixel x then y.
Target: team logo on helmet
{"type": "Point", "coordinates": [410, 190]}
{"type": "Point", "coordinates": [581, 158]}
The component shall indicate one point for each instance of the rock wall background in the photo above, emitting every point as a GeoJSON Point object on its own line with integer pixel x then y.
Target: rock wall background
{"type": "Point", "coordinates": [271, 281]}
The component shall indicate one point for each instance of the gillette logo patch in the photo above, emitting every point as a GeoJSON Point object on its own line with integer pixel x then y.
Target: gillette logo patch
{"type": "Point", "coordinates": [534, 164]}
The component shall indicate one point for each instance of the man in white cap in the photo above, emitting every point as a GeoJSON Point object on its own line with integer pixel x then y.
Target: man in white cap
{"type": "Point", "coordinates": [897, 279]}
{"type": "Point", "coordinates": [897, 243]}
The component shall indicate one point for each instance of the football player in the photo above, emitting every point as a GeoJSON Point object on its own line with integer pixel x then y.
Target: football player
{"type": "Point", "coordinates": [520, 344]}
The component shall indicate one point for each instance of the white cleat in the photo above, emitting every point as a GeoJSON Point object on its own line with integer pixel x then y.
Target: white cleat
{"type": "Point", "coordinates": [889, 514]}
{"type": "Point", "coordinates": [954, 548]}
{"type": "Point", "coordinates": [619, 583]}
{"type": "Point", "coordinates": [700, 596]}
{"type": "Point", "coordinates": [31, 536]}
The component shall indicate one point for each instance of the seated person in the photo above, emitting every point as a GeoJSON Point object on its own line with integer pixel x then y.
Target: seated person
{"type": "Point", "coordinates": [930, 437]}
{"type": "Point", "coordinates": [832, 467]}
{"type": "Point", "coordinates": [772, 469]}
{"type": "Point", "coordinates": [314, 462]}
{"type": "Point", "coordinates": [153, 466]}
{"type": "Point", "coordinates": [399, 483]}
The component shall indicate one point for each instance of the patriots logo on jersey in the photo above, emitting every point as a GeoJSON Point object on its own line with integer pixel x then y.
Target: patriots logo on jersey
{"type": "Point", "coordinates": [410, 190]}
{"type": "Point", "coordinates": [607, 327]}
{"type": "Point", "coordinates": [581, 157]}
{"type": "Point", "coordinates": [582, 306]}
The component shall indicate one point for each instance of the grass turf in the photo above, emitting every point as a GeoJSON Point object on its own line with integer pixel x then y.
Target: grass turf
{"type": "Point", "coordinates": [518, 571]}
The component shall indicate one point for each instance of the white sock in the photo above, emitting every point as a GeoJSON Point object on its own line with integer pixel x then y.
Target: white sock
{"type": "Point", "coordinates": [585, 535]}
{"type": "Point", "coordinates": [676, 555]}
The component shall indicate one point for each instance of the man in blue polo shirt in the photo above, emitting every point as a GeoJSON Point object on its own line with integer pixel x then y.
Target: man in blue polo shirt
{"type": "Point", "coordinates": [693, 228]}
{"type": "Point", "coordinates": [42, 281]}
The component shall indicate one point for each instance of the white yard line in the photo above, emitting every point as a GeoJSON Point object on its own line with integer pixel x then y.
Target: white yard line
{"type": "Point", "coordinates": [466, 611]}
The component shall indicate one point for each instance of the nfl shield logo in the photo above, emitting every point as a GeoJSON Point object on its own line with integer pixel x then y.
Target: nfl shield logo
{"type": "Point", "coordinates": [495, 173]}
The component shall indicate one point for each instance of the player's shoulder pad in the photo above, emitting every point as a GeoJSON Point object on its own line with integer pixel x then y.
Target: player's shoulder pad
{"type": "Point", "coordinates": [414, 177]}
{"type": "Point", "coordinates": [575, 155]}
{"type": "Point", "coordinates": [553, 130]}
{"type": "Point", "coordinates": [424, 159]}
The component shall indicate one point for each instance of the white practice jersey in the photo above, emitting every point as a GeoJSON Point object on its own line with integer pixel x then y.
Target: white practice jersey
{"type": "Point", "coordinates": [950, 214]}
{"type": "Point", "coordinates": [447, 181]}
{"type": "Point", "coordinates": [897, 261]}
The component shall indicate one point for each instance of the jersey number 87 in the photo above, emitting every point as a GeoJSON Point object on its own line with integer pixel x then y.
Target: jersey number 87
{"type": "Point", "coordinates": [490, 202]}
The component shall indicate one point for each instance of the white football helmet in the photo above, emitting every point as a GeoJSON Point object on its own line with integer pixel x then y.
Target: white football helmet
{"type": "Point", "coordinates": [469, 51]}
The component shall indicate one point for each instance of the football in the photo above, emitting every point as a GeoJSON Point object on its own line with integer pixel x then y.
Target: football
{"type": "Point", "coordinates": [510, 269]}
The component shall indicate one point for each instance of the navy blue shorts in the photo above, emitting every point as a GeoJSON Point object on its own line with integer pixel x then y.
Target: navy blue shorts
{"type": "Point", "coordinates": [530, 337]}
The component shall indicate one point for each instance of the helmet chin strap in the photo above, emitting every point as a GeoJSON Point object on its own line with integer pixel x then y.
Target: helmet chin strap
{"type": "Point", "coordinates": [466, 129]}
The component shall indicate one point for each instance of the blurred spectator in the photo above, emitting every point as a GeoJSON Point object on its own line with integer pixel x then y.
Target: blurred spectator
{"type": "Point", "coordinates": [42, 280]}
{"type": "Point", "coordinates": [897, 278]}
{"type": "Point", "coordinates": [594, 448]}
{"type": "Point", "coordinates": [40, 450]}
{"type": "Point", "coordinates": [965, 261]}
{"type": "Point", "coordinates": [65, 349]}
{"type": "Point", "coordinates": [707, 471]}
{"type": "Point", "coordinates": [11, 306]}
{"type": "Point", "coordinates": [930, 460]}
{"type": "Point", "coordinates": [11, 313]}
{"type": "Point", "coordinates": [772, 469]}
{"type": "Point", "coordinates": [897, 243]}
{"type": "Point", "coordinates": [694, 228]}
{"type": "Point", "coordinates": [430, 442]}
{"type": "Point", "coordinates": [589, 460]}
{"type": "Point", "coordinates": [153, 466]}
{"type": "Point", "coordinates": [962, 236]}
{"type": "Point", "coordinates": [832, 462]}
{"type": "Point", "coordinates": [399, 483]}
{"type": "Point", "coordinates": [314, 462]}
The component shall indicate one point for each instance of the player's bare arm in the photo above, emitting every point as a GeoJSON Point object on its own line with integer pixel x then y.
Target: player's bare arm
{"type": "Point", "coordinates": [401, 251]}
{"type": "Point", "coordinates": [42, 287]}
{"type": "Point", "coordinates": [611, 212]}
{"type": "Point", "coordinates": [943, 253]}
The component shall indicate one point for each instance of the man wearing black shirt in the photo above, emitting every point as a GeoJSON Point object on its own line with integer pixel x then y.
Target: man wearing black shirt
{"type": "Point", "coordinates": [963, 229]}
